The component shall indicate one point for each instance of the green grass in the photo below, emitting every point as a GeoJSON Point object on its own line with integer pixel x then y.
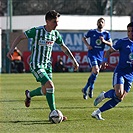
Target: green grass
{"type": "Point", "coordinates": [15, 117]}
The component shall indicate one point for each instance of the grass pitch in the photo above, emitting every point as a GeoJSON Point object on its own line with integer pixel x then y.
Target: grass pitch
{"type": "Point", "coordinates": [15, 117]}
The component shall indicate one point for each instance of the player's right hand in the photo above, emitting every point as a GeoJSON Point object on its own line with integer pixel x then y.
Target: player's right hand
{"type": "Point", "coordinates": [9, 55]}
{"type": "Point", "coordinates": [90, 47]}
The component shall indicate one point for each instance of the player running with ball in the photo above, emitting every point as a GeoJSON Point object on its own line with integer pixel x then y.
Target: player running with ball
{"type": "Point", "coordinates": [43, 39]}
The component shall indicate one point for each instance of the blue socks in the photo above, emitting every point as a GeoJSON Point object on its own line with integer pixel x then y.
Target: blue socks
{"type": "Point", "coordinates": [90, 82]}
{"type": "Point", "coordinates": [109, 94]}
{"type": "Point", "coordinates": [111, 103]}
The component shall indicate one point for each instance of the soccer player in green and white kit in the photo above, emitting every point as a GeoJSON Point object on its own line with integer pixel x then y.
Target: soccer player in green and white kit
{"type": "Point", "coordinates": [43, 39]}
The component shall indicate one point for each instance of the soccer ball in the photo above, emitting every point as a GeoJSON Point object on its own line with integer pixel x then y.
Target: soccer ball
{"type": "Point", "coordinates": [55, 116]}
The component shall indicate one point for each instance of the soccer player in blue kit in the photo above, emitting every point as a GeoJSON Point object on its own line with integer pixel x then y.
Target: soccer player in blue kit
{"type": "Point", "coordinates": [123, 74]}
{"type": "Point", "coordinates": [99, 38]}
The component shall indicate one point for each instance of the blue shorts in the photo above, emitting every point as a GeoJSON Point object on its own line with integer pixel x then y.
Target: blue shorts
{"type": "Point", "coordinates": [120, 79]}
{"type": "Point", "coordinates": [93, 61]}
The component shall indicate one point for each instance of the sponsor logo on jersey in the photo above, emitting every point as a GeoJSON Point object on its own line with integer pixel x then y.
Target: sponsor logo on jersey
{"type": "Point", "coordinates": [45, 42]}
{"type": "Point", "coordinates": [98, 42]}
{"type": "Point", "coordinates": [131, 57]}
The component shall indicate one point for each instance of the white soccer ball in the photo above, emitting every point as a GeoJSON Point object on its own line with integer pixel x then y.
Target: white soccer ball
{"type": "Point", "coordinates": [55, 116]}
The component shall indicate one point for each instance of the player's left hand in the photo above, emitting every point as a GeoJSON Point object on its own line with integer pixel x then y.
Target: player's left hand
{"type": "Point", "coordinates": [104, 65]}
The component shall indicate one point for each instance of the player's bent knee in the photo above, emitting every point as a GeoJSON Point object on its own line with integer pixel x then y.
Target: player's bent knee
{"type": "Point", "coordinates": [117, 98]}
{"type": "Point", "coordinates": [49, 84]}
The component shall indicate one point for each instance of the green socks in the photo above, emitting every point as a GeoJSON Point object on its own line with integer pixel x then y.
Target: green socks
{"type": "Point", "coordinates": [36, 92]}
{"type": "Point", "coordinates": [50, 98]}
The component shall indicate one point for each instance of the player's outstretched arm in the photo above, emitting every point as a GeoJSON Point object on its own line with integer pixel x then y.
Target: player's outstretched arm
{"type": "Point", "coordinates": [14, 44]}
{"type": "Point", "coordinates": [66, 50]}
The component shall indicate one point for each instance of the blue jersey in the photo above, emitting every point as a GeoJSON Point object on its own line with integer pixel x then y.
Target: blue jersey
{"type": "Point", "coordinates": [125, 65]}
{"type": "Point", "coordinates": [95, 42]}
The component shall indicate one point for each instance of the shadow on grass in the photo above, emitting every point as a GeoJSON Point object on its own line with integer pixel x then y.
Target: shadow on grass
{"type": "Point", "coordinates": [27, 122]}
{"type": "Point", "coordinates": [15, 100]}
{"type": "Point", "coordinates": [82, 107]}
{"type": "Point", "coordinates": [36, 122]}
{"type": "Point", "coordinates": [70, 107]}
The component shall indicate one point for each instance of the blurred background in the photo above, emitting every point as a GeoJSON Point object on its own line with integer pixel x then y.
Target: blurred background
{"type": "Point", "coordinates": [77, 17]}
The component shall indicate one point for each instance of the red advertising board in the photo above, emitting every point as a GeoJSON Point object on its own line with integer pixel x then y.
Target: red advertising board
{"type": "Point", "coordinates": [81, 57]}
{"type": "Point", "coordinates": [113, 61]}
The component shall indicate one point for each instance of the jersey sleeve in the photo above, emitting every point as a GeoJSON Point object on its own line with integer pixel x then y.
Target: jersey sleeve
{"type": "Point", "coordinates": [88, 34]}
{"type": "Point", "coordinates": [30, 33]}
{"type": "Point", "coordinates": [117, 45]}
{"type": "Point", "coordinates": [108, 36]}
{"type": "Point", "coordinates": [59, 39]}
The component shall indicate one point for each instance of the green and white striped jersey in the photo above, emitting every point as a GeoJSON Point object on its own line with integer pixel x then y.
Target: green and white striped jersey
{"type": "Point", "coordinates": [42, 43]}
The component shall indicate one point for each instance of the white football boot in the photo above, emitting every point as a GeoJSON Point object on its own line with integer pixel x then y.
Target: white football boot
{"type": "Point", "coordinates": [97, 115]}
{"type": "Point", "coordinates": [99, 98]}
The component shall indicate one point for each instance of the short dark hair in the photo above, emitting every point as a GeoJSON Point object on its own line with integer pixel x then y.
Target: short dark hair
{"type": "Point", "coordinates": [130, 24]}
{"type": "Point", "coordinates": [100, 19]}
{"type": "Point", "coordinates": [52, 14]}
